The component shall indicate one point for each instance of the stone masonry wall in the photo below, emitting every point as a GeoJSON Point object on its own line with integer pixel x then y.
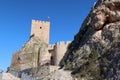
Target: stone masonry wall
{"type": "Point", "coordinates": [58, 52]}
{"type": "Point", "coordinates": [40, 29]}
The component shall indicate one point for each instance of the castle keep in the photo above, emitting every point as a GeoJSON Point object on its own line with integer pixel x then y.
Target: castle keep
{"type": "Point", "coordinates": [40, 29]}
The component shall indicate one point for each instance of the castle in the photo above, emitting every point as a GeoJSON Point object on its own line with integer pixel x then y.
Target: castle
{"type": "Point", "coordinates": [38, 44]}
{"type": "Point", "coordinates": [41, 29]}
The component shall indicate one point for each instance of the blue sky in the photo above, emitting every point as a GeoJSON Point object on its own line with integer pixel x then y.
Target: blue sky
{"type": "Point", "coordinates": [66, 17]}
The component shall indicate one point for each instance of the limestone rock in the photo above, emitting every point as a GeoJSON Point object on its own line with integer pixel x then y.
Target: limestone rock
{"type": "Point", "coordinates": [107, 12]}
{"type": "Point", "coordinates": [94, 54]}
{"type": "Point", "coordinates": [33, 54]}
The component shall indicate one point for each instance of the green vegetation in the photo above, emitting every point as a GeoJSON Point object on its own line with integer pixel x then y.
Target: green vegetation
{"type": "Point", "coordinates": [83, 73]}
{"type": "Point", "coordinates": [62, 63]}
{"type": "Point", "coordinates": [68, 66]}
{"type": "Point", "coordinates": [94, 54]}
{"type": "Point", "coordinates": [96, 74]}
{"type": "Point", "coordinates": [89, 69]}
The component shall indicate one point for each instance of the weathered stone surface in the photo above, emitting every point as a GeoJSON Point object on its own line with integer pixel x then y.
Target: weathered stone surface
{"type": "Point", "coordinates": [41, 30]}
{"type": "Point", "coordinates": [33, 54]}
{"type": "Point", "coordinates": [94, 54]}
{"type": "Point", "coordinates": [59, 75]}
{"type": "Point", "coordinates": [107, 12]}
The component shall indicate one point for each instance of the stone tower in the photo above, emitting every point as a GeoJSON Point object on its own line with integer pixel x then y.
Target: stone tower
{"type": "Point", "coordinates": [40, 29]}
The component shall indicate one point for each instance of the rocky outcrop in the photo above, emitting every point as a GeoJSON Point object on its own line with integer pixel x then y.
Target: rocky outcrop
{"type": "Point", "coordinates": [94, 54]}
{"type": "Point", "coordinates": [33, 54]}
{"type": "Point", "coordinates": [106, 12]}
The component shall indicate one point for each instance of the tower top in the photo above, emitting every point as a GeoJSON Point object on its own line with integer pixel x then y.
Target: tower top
{"type": "Point", "coordinates": [38, 21]}
{"type": "Point", "coordinates": [41, 30]}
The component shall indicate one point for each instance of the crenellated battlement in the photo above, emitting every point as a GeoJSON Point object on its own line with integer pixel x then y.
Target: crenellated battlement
{"type": "Point", "coordinates": [63, 43]}
{"type": "Point", "coordinates": [51, 46]}
{"type": "Point", "coordinates": [59, 44]}
{"type": "Point", "coordinates": [68, 42]}
{"type": "Point", "coordinates": [41, 22]}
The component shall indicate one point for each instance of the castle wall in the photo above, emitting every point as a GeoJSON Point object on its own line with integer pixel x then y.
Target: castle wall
{"type": "Point", "coordinates": [53, 54]}
{"type": "Point", "coordinates": [44, 57]}
{"type": "Point", "coordinates": [59, 51]}
{"type": "Point", "coordinates": [40, 29]}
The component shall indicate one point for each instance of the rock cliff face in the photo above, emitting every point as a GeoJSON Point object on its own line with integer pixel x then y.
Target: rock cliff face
{"type": "Point", "coordinates": [94, 54]}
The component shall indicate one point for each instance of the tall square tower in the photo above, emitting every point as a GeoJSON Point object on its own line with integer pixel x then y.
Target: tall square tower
{"type": "Point", "coordinates": [40, 29]}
